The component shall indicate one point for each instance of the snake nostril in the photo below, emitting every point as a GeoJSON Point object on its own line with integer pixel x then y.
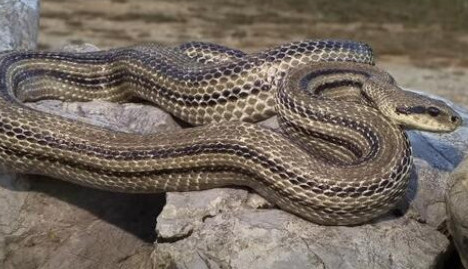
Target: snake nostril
{"type": "Point", "coordinates": [455, 119]}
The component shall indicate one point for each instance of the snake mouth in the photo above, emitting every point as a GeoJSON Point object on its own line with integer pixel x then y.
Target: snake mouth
{"type": "Point", "coordinates": [456, 120]}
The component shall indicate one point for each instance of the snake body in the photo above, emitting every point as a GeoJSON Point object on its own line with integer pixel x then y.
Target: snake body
{"type": "Point", "coordinates": [341, 159]}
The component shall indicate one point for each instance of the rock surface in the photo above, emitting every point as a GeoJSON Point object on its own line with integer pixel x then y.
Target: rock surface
{"type": "Point", "coordinates": [129, 117]}
{"type": "Point", "coordinates": [19, 24]}
{"type": "Point", "coordinates": [218, 229]}
{"type": "Point", "coordinates": [457, 206]}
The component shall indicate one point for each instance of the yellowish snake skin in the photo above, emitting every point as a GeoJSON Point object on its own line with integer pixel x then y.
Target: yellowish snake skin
{"type": "Point", "coordinates": [342, 157]}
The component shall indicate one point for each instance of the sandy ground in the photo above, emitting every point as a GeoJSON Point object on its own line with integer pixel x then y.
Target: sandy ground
{"type": "Point", "coordinates": [403, 44]}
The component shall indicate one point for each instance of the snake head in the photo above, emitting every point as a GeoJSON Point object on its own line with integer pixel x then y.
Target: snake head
{"type": "Point", "coordinates": [416, 111]}
{"type": "Point", "coordinates": [409, 109]}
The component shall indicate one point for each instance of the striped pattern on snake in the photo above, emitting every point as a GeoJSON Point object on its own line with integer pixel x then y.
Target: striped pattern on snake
{"type": "Point", "coordinates": [342, 158]}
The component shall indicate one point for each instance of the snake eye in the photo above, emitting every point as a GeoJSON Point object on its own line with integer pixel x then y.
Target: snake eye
{"type": "Point", "coordinates": [433, 111]}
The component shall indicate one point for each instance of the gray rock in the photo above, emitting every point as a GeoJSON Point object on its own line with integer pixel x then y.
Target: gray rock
{"type": "Point", "coordinates": [19, 24]}
{"type": "Point", "coordinates": [58, 225]}
{"type": "Point", "coordinates": [270, 123]}
{"type": "Point", "coordinates": [86, 47]}
{"type": "Point", "coordinates": [221, 229]}
{"type": "Point", "coordinates": [239, 236]}
{"type": "Point", "coordinates": [448, 82]}
{"type": "Point", "coordinates": [457, 207]}
{"type": "Point", "coordinates": [129, 117]}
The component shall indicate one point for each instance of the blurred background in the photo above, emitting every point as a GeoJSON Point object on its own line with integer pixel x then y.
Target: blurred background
{"type": "Point", "coordinates": [425, 32]}
{"type": "Point", "coordinates": [431, 35]}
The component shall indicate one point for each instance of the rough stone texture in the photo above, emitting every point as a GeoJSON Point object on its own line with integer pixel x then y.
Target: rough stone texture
{"type": "Point", "coordinates": [222, 228]}
{"type": "Point", "coordinates": [19, 24]}
{"type": "Point", "coordinates": [457, 206]}
{"type": "Point", "coordinates": [52, 224]}
{"type": "Point", "coordinates": [129, 117]}
{"type": "Point", "coordinates": [86, 47]}
{"type": "Point", "coordinates": [239, 236]}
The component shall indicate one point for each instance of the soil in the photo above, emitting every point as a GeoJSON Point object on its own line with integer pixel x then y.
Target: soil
{"type": "Point", "coordinates": [429, 36]}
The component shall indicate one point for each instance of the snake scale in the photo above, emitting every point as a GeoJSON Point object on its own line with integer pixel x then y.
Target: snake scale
{"type": "Point", "coordinates": [342, 157]}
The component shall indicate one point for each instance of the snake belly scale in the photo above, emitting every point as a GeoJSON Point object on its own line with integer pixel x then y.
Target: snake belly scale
{"type": "Point", "coordinates": [338, 161]}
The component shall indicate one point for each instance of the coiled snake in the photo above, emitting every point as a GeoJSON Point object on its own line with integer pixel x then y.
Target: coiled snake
{"type": "Point", "coordinates": [342, 157]}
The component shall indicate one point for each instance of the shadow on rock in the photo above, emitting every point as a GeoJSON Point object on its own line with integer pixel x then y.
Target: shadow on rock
{"type": "Point", "coordinates": [134, 213]}
{"type": "Point", "coordinates": [438, 151]}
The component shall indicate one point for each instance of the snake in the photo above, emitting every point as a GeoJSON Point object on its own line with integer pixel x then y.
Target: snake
{"type": "Point", "coordinates": [340, 157]}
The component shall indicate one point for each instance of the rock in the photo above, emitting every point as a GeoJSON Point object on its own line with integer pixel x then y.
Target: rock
{"type": "Point", "coordinates": [239, 236]}
{"type": "Point", "coordinates": [270, 123]}
{"type": "Point", "coordinates": [86, 47]}
{"type": "Point", "coordinates": [457, 207]}
{"type": "Point", "coordinates": [130, 117]}
{"type": "Point", "coordinates": [19, 24]}
{"type": "Point", "coordinates": [58, 225]}
{"type": "Point", "coordinates": [221, 229]}
{"type": "Point", "coordinates": [448, 82]}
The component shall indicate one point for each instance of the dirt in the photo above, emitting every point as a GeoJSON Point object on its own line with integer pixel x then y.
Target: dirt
{"type": "Point", "coordinates": [432, 36]}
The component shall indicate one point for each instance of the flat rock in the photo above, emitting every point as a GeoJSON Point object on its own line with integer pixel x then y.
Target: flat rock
{"type": "Point", "coordinates": [436, 156]}
{"type": "Point", "coordinates": [51, 224]}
